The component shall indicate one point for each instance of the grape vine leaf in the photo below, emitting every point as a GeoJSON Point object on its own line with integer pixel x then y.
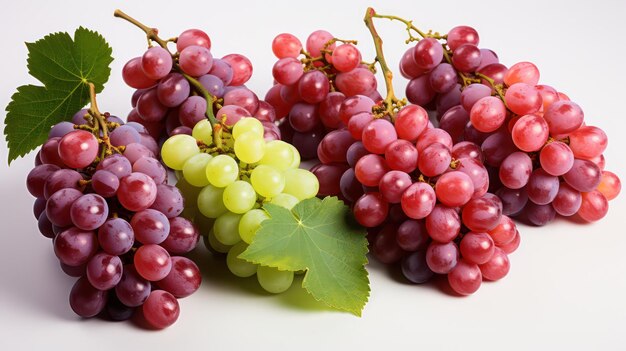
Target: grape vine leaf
{"type": "Point", "coordinates": [321, 237]}
{"type": "Point", "coordinates": [65, 66]}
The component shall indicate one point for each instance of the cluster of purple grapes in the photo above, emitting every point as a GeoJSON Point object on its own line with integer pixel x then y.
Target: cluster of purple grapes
{"type": "Point", "coordinates": [114, 220]}
{"type": "Point", "coordinates": [542, 158]}
{"type": "Point", "coordinates": [173, 91]}
{"type": "Point", "coordinates": [310, 91]}
{"type": "Point", "coordinates": [423, 199]}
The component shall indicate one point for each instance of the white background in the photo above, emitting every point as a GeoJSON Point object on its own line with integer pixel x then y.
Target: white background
{"type": "Point", "coordinates": [567, 285]}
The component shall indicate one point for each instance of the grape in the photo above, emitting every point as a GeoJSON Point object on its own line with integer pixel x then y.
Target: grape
{"type": "Point", "coordinates": [184, 278]}
{"type": "Point", "coordinates": [418, 200]}
{"type": "Point", "coordinates": [183, 236]}
{"type": "Point", "coordinates": [334, 147]}
{"type": "Point", "coordinates": [300, 183]}
{"type": "Point", "coordinates": [370, 210]}
{"type": "Point", "coordinates": [504, 232]}
{"type": "Point", "coordinates": [195, 60]}
{"type": "Point", "coordinates": [124, 135]}
{"type": "Point", "coordinates": [472, 94]}
{"type": "Point", "coordinates": [523, 99]}
{"type": "Point", "coordinates": [304, 117]}
{"type": "Point", "coordinates": [116, 236]}
{"type": "Point", "coordinates": [346, 57]}
{"type": "Point", "coordinates": [274, 280]}
{"type": "Point", "coordinates": [385, 248]}
{"type": "Point", "coordinates": [75, 247]}
{"type": "Point", "coordinates": [286, 45]}
{"type": "Point", "coordinates": [210, 202]}
{"type": "Point", "coordinates": [460, 35]}
{"type": "Point", "coordinates": [497, 267]}
{"type": "Point", "coordinates": [522, 72]}
{"type": "Point", "coordinates": [284, 200]}
{"type": "Point", "coordinates": [418, 91]}
{"type": "Point", "coordinates": [542, 187]}
{"type": "Point", "coordinates": [85, 300]}
{"type": "Point", "coordinates": [513, 200]}
{"type": "Point", "coordinates": [58, 206]}
{"type": "Point", "coordinates": [307, 143]}
{"type": "Point", "coordinates": [132, 290]}
{"type": "Point", "coordinates": [239, 197]}
{"type": "Point", "coordinates": [150, 226]}
{"type": "Point", "coordinates": [279, 155]}
{"type": "Point", "coordinates": [411, 121]}
{"type": "Point", "coordinates": [267, 181]}
{"type": "Point", "coordinates": [466, 58]}
{"type": "Point", "coordinates": [242, 97]}
{"type": "Point", "coordinates": [353, 105]}
{"type": "Point", "coordinates": [415, 268]}
{"type": "Point", "coordinates": [39, 206]}
{"type": "Point", "coordinates": [194, 169]}
{"type": "Point", "coordinates": [116, 310]}
{"type": "Point", "coordinates": [442, 258]}
{"type": "Point", "coordinates": [152, 262]}
{"type": "Point", "coordinates": [539, 215]}
{"type": "Point", "coordinates": [358, 123]}
{"type": "Point", "coordinates": [412, 235]}
{"type": "Point", "coordinates": [62, 179]}
{"type": "Point", "coordinates": [60, 129]}
{"type": "Point", "coordinates": [431, 136]}
{"type": "Point", "coordinates": [156, 63]}
{"type": "Point", "coordinates": [213, 84]}
{"type": "Point", "coordinates": [151, 167]}
{"type": "Point", "coordinates": [496, 147]}
{"type": "Point", "coordinates": [483, 213]}
{"type": "Point", "coordinates": [588, 142]}
{"type": "Point", "coordinates": [45, 226]}
{"type": "Point", "coordinates": [359, 81]}
{"type": "Point", "coordinates": [428, 53]}
{"type": "Point", "coordinates": [223, 70]}
{"type": "Point", "coordinates": [512, 246]}
{"type": "Point", "coordinates": [49, 153]}
{"type": "Point", "coordinates": [563, 117]}
{"type": "Point", "coordinates": [238, 266]}
{"type": "Point", "coordinates": [370, 169]}
{"type": "Point", "coordinates": [329, 109]}
{"type": "Point", "coordinates": [567, 200]}
{"type": "Point", "coordinates": [149, 108]}
{"type": "Point", "coordinates": [594, 206]}
{"type": "Point", "coordinates": [192, 111]}
{"type": "Point", "coordinates": [610, 185]}
{"type": "Point", "coordinates": [89, 212]}
{"type": "Point", "coordinates": [249, 223]}
{"type": "Point", "coordinates": [401, 155]}
{"type": "Point", "coordinates": [116, 164]}
{"type": "Point", "coordinates": [393, 184]}
{"type": "Point", "coordinates": [37, 177]}
{"type": "Point", "coordinates": [350, 187]}
{"type": "Point", "coordinates": [173, 90]}
{"type": "Point", "coordinates": [556, 158]}
{"type": "Point", "coordinates": [584, 175]}
{"type": "Point", "coordinates": [133, 75]}
{"type": "Point", "coordinates": [548, 95]}
{"type": "Point", "coordinates": [488, 114]}
{"type": "Point", "coordinates": [477, 248]}
{"type": "Point", "coordinates": [478, 174]}
{"type": "Point", "coordinates": [248, 125]}
{"type": "Point", "coordinates": [178, 149]}
{"type": "Point", "coordinates": [443, 78]}
{"type": "Point", "coordinates": [169, 201]}
{"type": "Point", "coordinates": [530, 133]}
{"type": "Point", "coordinates": [78, 149]}
{"type": "Point", "coordinates": [104, 271]}
{"type": "Point", "coordinates": [161, 308]}
{"type": "Point", "coordinates": [465, 278]}
{"type": "Point", "coordinates": [222, 170]}
{"type": "Point", "coordinates": [487, 57]}
{"type": "Point", "coordinates": [495, 71]}
{"type": "Point", "coordinates": [135, 151]}
{"type": "Point", "coordinates": [515, 170]}
{"type": "Point", "coordinates": [192, 37]}
{"type": "Point", "coordinates": [137, 192]}
{"type": "Point", "coordinates": [443, 224]}
{"type": "Point", "coordinates": [249, 148]}
{"type": "Point", "coordinates": [454, 189]}
{"type": "Point", "coordinates": [454, 122]}
{"type": "Point", "coordinates": [408, 67]}
{"type": "Point", "coordinates": [241, 67]}
{"type": "Point", "coordinates": [377, 135]}
{"type": "Point", "coordinates": [434, 160]}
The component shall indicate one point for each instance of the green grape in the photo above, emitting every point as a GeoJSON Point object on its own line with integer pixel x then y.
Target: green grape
{"type": "Point", "coordinates": [215, 245]}
{"type": "Point", "coordinates": [278, 154]}
{"type": "Point", "coordinates": [236, 265]}
{"type": "Point", "coordinates": [296, 157]}
{"type": "Point", "coordinates": [300, 183]}
{"type": "Point", "coordinates": [210, 202]}
{"type": "Point", "coordinates": [226, 228]}
{"type": "Point", "coordinates": [267, 181]}
{"type": "Point", "coordinates": [205, 224]}
{"type": "Point", "coordinates": [239, 197]}
{"type": "Point", "coordinates": [273, 280]}
{"type": "Point", "coordinates": [285, 200]}
{"type": "Point", "coordinates": [222, 170]}
{"type": "Point", "coordinates": [249, 224]}
{"type": "Point", "coordinates": [177, 149]}
{"type": "Point", "coordinates": [249, 147]}
{"type": "Point", "coordinates": [194, 169]}
{"type": "Point", "coordinates": [248, 124]}
{"type": "Point", "coordinates": [203, 131]}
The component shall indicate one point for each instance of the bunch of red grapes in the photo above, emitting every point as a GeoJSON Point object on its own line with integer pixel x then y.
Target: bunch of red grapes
{"type": "Point", "coordinates": [169, 99]}
{"type": "Point", "coordinates": [423, 191]}
{"type": "Point", "coordinates": [310, 90]}
{"type": "Point", "coordinates": [104, 201]}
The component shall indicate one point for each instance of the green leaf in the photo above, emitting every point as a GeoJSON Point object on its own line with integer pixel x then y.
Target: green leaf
{"type": "Point", "coordinates": [321, 237]}
{"type": "Point", "coordinates": [65, 67]}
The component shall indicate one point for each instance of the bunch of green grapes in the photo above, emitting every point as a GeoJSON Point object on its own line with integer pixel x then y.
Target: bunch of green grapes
{"type": "Point", "coordinates": [229, 173]}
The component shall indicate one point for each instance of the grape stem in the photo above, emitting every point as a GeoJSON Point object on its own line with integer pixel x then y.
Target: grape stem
{"type": "Point", "coordinates": [499, 89]}
{"type": "Point", "coordinates": [100, 124]}
{"type": "Point", "coordinates": [153, 35]}
{"type": "Point", "coordinates": [391, 102]}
